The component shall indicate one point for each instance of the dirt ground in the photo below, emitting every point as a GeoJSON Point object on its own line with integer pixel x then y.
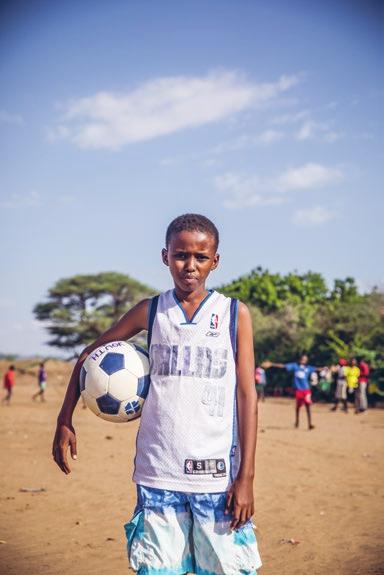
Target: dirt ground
{"type": "Point", "coordinates": [323, 488]}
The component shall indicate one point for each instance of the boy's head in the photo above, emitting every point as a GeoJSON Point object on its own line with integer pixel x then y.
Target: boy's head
{"type": "Point", "coordinates": [191, 223]}
{"type": "Point", "coordinates": [303, 359]}
{"type": "Point", "coordinates": [191, 252]}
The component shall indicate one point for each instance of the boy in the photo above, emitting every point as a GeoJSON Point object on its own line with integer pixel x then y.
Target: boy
{"type": "Point", "coordinates": [195, 495]}
{"type": "Point", "coordinates": [341, 385]}
{"type": "Point", "coordinates": [8, 383]}
{"type": "Point", "coordinates": [301, 378]}
{"type": "Point", "coordinates": [361, 395]}
{"type": "Point", "coordinates": [261, 382]}
{"type": "Point", "coordinates": [42, 382]}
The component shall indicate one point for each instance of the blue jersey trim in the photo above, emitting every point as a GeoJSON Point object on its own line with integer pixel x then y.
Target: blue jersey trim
{"type": "Point", "coordinates": [233, 335]}
{"type": "Point", "coordinates": [187, 320]}
{"type": "Point", "coordinates": [233, 324]}
{"type": "Point", "coordinates": [151, 318]}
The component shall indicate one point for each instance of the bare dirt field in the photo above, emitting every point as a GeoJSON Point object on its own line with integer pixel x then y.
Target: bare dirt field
{"type": "Point", "coordinates": [322, 488]}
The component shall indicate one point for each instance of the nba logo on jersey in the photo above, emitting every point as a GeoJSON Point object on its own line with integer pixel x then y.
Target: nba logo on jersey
{"type": "Point", "coordinates": [188, 466]}
{"type": "Point", "coordinates": [214, 321]}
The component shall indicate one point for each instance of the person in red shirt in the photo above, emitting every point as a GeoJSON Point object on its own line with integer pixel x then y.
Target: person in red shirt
{"type": "Point", "coordinates": [361, 403]}
{"type": "Point", "coordinates": [8, 383]}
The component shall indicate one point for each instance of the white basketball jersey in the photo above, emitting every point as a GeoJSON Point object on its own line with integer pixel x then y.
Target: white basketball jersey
{"type": "Point", "coordinates": [187, 436]}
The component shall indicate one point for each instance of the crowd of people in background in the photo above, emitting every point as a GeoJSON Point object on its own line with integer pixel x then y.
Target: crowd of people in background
{"type": "Point", "coordinates": [351, 382]}
{"type": "Point", "coordinates": [348, 379]}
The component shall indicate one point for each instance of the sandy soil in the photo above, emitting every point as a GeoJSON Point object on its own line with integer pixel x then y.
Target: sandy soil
{"type": "Point", "coordinates": [323, 488]}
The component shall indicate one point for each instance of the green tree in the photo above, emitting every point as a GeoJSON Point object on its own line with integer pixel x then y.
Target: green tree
{"type": "Point", "coordinates": [270, 292]}
{"type": "Point", "coordinates": [298, 313]}
{"type": "Point", "coordinates": [79, 308]}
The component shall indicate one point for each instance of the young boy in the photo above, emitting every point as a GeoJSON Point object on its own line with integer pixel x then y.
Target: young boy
{"type": "Point", "coordinates": [195, 492]}
{"type": "Point", "coordinates": [301, 381]}
{"type": "Point", "coordinates": [8, 384]}
{"type": "Point", "coordinates": [341, 385]}
{"type": "Point", "coordinates": [42, 382]}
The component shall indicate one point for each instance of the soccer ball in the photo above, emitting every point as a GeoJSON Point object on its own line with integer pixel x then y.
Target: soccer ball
{"type": "Point", "coordinates": [114, 381]}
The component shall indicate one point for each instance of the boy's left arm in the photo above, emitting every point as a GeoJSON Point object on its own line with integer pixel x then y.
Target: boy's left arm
{"type": "Point", "coordinates": [240, 494]}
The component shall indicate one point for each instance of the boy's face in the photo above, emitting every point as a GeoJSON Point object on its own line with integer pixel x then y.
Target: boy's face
{"type": "Point", "coordinates": [190, 256]}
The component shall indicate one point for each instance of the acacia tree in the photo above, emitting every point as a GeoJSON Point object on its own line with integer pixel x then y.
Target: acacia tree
{"type": "Point", "coordinates": [79, 308]}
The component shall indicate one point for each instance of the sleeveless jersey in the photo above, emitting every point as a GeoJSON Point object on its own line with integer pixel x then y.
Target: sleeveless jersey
{"type": "Point", "coordinates": [188, 429]}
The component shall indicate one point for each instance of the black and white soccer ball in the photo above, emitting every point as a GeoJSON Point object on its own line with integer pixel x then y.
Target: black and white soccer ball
{"type": "Point", "coordinates": [114, 381]}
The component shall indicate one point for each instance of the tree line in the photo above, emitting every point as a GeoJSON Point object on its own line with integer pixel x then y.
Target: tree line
{"type": "Point", "coordinates": [292, 313]}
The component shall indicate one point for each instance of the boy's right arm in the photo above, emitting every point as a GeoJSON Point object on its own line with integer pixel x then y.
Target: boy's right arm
{"type": "Point", "coordinates": [134, 321]}
{"type": "Point", "coordinates": [267, 364]}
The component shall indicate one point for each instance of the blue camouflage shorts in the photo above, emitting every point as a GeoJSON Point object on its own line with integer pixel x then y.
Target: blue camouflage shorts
{"type": "Point", "coordinates": [172, 532]}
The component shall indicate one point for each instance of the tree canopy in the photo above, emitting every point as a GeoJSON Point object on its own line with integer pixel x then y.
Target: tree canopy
{"type": "Point", "coordinates": [79, 308]}
{"type": "Point", "coordinates": [292, 313]}
{"type": "Point", "coordinates": [297, 313]}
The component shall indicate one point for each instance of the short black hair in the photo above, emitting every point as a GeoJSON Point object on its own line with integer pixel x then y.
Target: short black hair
{"type": "Point", "coordinates": [191, 223]}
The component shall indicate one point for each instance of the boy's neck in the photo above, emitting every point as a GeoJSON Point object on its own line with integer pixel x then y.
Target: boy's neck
{"type": "Point", "coordinates": [194, 297]}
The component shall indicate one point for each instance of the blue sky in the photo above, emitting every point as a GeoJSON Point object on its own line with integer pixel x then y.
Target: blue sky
{"type": "Point", "coordinates": [117, 116]}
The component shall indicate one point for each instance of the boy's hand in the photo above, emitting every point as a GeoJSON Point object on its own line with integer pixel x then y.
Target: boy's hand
{"type": "Point", "coordinates": [65, 437]}
{"type": "Point", "coordinates": [240, 502]}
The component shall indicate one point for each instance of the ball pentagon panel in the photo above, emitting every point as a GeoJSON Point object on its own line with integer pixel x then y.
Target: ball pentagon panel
{"type": "Point", "coordinates": [108, 404]}
{"type": "Point", "coordinates": [112, 362]}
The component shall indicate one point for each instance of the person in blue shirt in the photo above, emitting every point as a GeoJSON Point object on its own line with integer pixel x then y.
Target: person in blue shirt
{"type": "Point", "coordinates": [301, 382]}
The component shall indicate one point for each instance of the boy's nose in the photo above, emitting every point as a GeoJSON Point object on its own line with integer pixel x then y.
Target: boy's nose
{"type": "Point", "coordinates": [190, 265]}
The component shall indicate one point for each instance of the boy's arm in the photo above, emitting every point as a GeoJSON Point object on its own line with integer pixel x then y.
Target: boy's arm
{"type": "Point", "coordinates": [267, 364]}
{"type": "Point", "coordinates": [240, 494]}
{"type": "Point", "coordinates": [134, 321]}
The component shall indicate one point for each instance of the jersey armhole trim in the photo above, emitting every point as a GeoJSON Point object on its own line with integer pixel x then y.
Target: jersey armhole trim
{"type": "Point", "coordinates": [233, 324]}
{"type": "Point", "coordinates": [151, 318]}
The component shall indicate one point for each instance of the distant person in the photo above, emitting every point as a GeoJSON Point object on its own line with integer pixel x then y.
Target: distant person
{"type": "Point", "coordinates": [325, 382]}
{"type": "Point", "coordinates": [8, 384]}
{"type": "Point", "coordinates": [341, 385]}
{"type": "Point", "coordinates": [42, 383]}
{"type": "Point", "coordinates": [361, 403]}
{"type": "Point", "coordinates": [301, 376]}
{"type": "Point", "coordinates": [261, 382]}
{"type": "Point", "coordinates": [352, 373]}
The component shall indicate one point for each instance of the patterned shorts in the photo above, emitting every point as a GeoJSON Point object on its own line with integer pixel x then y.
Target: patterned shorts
{"type": "Point", "coordinates": [173, 532]}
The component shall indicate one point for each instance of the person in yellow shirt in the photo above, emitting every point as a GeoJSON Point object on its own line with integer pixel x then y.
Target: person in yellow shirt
{"type": "Point", "coordinates": [352, 373]}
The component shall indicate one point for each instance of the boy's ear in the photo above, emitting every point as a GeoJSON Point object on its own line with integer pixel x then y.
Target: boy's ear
{"type": "Point", "coordinates": [164, 255]}
{"type": "Point", "coordinates": [216, 260]}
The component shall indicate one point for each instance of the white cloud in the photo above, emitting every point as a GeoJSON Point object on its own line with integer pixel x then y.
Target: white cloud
{"type": "Point", "coordinates": [307, 130]}
{"type": "Point", "coordinates": [315, 216]}
{"type": "Point", "coordinates": [270, 137]}
{"type": "Point", "coordinates": [162, 106]}
{"type": "Point", "coordinates": [310, 130]}
{"type": "Point", "coordinates": [244, 141]}
{"type": "Point", "coordinates": [291, 118]}
{"type": "Point", "coordinates": [29, 200]}
{"type": "Point", "coordinates": [246, 191]}
{"type": "Point", "coordinates": [9, 118]}
{"type": "Point", "coordinates": [308, 176]}
{"type": "Point", "coordinates": [243, 191]}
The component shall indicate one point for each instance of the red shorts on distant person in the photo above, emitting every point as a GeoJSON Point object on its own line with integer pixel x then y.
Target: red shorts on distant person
{"type": "Point", "coordinates": [303, 397]}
